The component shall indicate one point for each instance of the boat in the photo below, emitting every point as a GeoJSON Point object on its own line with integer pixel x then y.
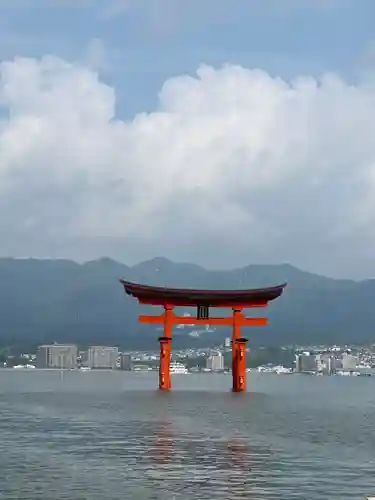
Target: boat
{"type": "Point", "coordinates": [177, 368]}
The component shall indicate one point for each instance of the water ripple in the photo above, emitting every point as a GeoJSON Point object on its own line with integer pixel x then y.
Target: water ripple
{"type": "Point", "coordinates": [111, 444]}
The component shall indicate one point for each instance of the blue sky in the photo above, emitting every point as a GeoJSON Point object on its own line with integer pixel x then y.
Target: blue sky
{"type": "Point", "coordinates": [140, 43]}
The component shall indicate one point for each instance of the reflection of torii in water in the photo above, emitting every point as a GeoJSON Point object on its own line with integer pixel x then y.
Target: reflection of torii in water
{"type": "Point", "coordinates": [248, 470]}
{"type": "Point", "coordinates": [238, 453]}
{"type": "Point", "coordinates": [231, 459]}
{"type": "Point", "coordinates": [161, 451]}
{"type": "Point", "coordinates": [239, 465]}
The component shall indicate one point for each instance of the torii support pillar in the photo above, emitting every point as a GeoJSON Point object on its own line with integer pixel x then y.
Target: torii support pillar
{"type": "Point", "coordinates": [164, 369]}
{"type": "Point", "coordinates": [239, 358]}
{"type": "Point", "coordinates": [236, 334]}
{"type": "Point", "coordinates": [165, 349]}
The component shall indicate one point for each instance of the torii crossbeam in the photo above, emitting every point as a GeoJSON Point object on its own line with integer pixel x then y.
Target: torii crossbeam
{"type": "Point", "coordinates": [237, 300]}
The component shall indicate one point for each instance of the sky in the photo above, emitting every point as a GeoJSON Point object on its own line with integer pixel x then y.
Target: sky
{"type": "Point", "coordinates": [224, 133]}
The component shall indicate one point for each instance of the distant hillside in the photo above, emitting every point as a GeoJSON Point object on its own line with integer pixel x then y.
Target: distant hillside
{"type": "Point", "coordinates": [47, 300]}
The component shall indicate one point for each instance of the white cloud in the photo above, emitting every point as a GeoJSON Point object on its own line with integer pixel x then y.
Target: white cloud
{"type": "Point", "coordinates": [234, 166]}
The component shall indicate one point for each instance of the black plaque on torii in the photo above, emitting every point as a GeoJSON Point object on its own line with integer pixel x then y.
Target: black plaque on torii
{"type": "Point", "coordinates": [203, 311]}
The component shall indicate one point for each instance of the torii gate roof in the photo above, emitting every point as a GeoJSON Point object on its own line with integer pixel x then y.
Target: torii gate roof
{"type": "Point", "coordinates": [187, 297]}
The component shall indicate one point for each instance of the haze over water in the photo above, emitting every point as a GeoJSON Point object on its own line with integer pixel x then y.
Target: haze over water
{"type": "Point", "coordinates": [111, 435]}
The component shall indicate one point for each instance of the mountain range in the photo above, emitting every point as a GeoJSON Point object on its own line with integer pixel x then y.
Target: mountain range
{"type": "Point", "coordinates": [60, 300]}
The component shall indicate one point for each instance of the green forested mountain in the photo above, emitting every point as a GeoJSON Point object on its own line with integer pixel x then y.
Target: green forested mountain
{"type": "Point", "coordinates": [60, 300]}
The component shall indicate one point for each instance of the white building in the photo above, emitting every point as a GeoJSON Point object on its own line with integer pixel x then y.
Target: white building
{"type": "Point", "coordinates": [62, 356]}
{"type": "Point", "coordinates": [215, 362]}
{"type": "Point", "coordinates": [227, 342]}
{"type": "Point", "coordinates": [103, 357]}
{"type": "Point", "coordinates": [319, 363]}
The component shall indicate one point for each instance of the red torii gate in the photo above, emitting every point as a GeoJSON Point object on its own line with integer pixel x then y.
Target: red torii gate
{"type": "Point", "coordinates": [237, 300]}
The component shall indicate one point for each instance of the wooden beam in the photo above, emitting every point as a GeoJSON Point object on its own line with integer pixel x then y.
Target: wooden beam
{"type": "Point", "coordinates": [253, 321]}
{"type": "Point", "coordinates": [216, 303]}
{"type": "Point", "coordinates": [145, 318]}
{"type": "Point", "coordinates": [190, 320]}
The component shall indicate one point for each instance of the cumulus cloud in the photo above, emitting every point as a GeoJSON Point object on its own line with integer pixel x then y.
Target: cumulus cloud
{"type": "Point", "coordinates": [233, 166]}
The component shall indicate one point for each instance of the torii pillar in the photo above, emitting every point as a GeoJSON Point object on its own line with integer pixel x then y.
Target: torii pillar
{"type": "Point", "coordinates": [165, 349]}
{"type": "Point", "coordinates": [165, 358]}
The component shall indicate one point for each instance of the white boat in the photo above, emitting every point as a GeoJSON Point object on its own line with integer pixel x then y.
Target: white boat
{"type": "Point", "coordinates": [177, 368]}
{"type": "Point", "coordinates": [281, 370]}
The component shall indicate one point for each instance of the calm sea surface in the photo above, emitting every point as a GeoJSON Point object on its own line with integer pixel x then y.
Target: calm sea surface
{"type": "Point", "coordinates": [111, 435]}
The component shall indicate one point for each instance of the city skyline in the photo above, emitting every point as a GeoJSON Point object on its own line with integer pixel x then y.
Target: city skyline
{"type": "Point", "coordinates": [318, 360]}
